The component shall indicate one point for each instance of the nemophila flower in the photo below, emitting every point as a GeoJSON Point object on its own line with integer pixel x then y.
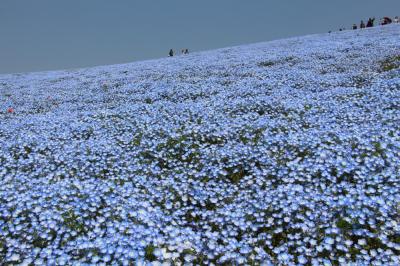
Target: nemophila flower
{"type": "Point", "coordinates": [302, 260]}
{"type": "Point", "coordinates": [362, 242]}
{"type": "Point", "coordinates": [329, 241]}
{"type": "Point", "coordinates": [320, 248]}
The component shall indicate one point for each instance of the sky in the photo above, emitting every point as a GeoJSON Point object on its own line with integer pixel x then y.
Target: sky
{"type": "Point", "coordinates": [54, 34]}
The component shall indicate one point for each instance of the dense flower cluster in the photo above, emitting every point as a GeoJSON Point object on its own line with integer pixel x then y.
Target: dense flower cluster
{"type": "Point", "coordinates": [285, 152]}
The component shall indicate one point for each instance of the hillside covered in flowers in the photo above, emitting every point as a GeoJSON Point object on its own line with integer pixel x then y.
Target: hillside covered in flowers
{"type": "Point", "coordinates": [277, 153]}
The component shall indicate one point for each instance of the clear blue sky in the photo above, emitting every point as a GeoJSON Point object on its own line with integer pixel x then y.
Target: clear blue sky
{"type": "Point", "coordinates": [49, 34]}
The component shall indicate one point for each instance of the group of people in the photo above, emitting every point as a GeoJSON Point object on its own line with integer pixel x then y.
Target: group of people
{"type": "Point", "coordinates": [183, 51]}
{"type": "Point", "coordinates": [370, 24]}
{"type": "Point", "coordinates": [371, 21]}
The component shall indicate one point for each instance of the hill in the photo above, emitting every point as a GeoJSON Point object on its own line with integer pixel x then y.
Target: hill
{"type": "Point", "coordinates": [285, 152]}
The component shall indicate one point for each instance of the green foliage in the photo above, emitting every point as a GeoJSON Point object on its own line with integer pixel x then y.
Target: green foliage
{"type": "Point", "coordinates": [71, 220]}
{"type": "Point", "coordinates": [278, 238]}
{"type": "Point", "coordinates": [39, 242]}
{"type": "Point", "coordinates": [148, 100]}
{"type": "Point", "coordinates": [236, 173]}
{"type": "Point", "coordinates": [290, 60]}
{"type": "Point", "coordinates": [266, 64]}
{"type": "Point", "coordinates": [251, 136]}
{"type": "Point", "coordinates": [395, 238]}
{"type": "Point", "coordinates": [343, 224]}
{"type": "Point", "coordinates": [390, 64]}
{"type": "Point", "coordinates": [149, 253]}
{"type": "Point", "coordinates": [3, 249]}
{"type": "Point", "coordinates": [137, 139]}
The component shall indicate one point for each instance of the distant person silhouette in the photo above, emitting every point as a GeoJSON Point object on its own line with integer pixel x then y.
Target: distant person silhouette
{"type": "Point", "coordinates": [370, 22]}
{"type": "Point", "coordinates": [171, 52]}
{"type": "Point", "coordinates": [386, 21]}
{"type": "Point", "coordinates": [362, 24]}
{"type": "Point", "coordinates": [396, 19]}
{"type": "Point", "coordinates": [186, 51]}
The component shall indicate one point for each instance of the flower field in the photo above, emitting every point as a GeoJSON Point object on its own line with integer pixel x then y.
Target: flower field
{"type": "Point", "coordinates": [277, 153]}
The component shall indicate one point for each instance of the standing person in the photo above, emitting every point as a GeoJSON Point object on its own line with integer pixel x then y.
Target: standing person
{"type": "Point", "coordinates": [354, 26]}
{"type": "Point", "coordinates": [186, 51]}
{"type": "Point", "coordinates": [362, 24]}
{"type": "Point", "coordinates": [171, 52]}
{"type": "Point", "coordinates": [370, 22]}
{"type": "Point", "coordinates": [396, 19]}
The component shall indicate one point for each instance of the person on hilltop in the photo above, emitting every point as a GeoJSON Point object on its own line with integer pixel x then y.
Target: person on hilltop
{"type": "Point", "coordinates": [171, 52]}
{"type": "Point", "coordinates": [186, 51]}
{"type": "Point", "coordinates": [386, 21]}
{"type": "Point", "coordinates": [370, 22]}
{"type": "Point", "coordinates": [362, 24]}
